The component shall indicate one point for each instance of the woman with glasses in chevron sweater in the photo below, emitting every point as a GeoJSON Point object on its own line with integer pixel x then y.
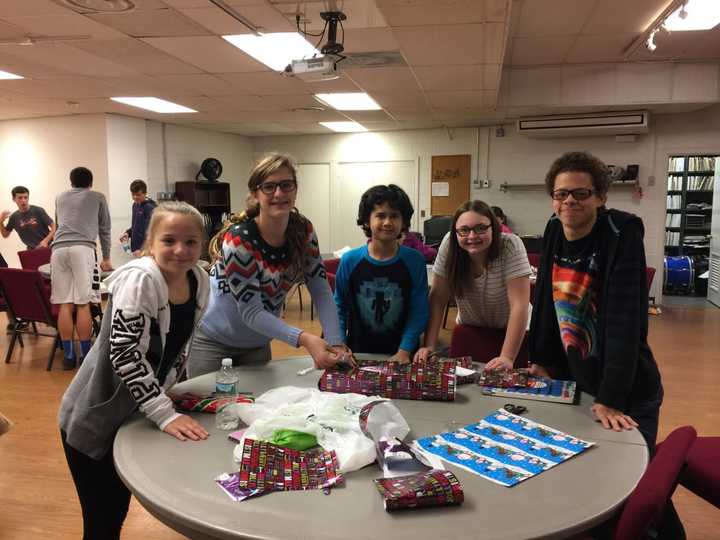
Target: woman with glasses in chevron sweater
{"type": "Point", "coordinates": [258, 257]}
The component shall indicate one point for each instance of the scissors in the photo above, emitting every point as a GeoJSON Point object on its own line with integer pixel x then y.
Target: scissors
{"type": "Point", "coordinates": [514, 409]}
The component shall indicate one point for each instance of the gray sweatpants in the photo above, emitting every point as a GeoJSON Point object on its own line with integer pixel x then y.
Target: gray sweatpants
{"type": "Point", "coordinates": [206, 355]}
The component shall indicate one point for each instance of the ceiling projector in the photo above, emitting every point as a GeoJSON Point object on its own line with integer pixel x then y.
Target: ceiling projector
{"type": "Point", "coordinates": [319, 68]}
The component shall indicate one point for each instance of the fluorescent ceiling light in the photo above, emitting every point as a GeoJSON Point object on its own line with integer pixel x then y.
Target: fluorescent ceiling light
{"type": "Point", "coordinates": [274, 50]}
{"type": "Point", "coordinates": [344, 127]}
{"type": "Point", "coordinates": [694, 15]}
{"type": "Point", "coordinates": [352, 101]}
{"type": "Point", "coordinates": [8, 75]}
{"type": "Point", "coordinates": [154, 104]}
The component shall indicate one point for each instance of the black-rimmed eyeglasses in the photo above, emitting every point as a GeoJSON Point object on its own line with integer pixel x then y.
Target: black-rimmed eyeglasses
{"type": "Point", "coordinates": [477, 229]}
{"type": "Point", "coordinates": [579, 194]}
{"type": "Point", "coordinates": [286, 186]}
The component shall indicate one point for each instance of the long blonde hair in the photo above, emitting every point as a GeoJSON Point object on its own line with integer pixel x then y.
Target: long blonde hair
{"type": "Point", "coordinates": [296, 234]}
{"type": "Point", "coordinates": [162, 211]}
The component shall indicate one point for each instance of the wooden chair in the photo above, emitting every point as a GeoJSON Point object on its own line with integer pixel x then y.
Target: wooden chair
{"type": "Point", "coordinates": [27, 300]}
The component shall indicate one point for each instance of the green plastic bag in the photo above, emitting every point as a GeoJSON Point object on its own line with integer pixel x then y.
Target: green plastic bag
{"type": "Point", "coordinates": [295, 440]}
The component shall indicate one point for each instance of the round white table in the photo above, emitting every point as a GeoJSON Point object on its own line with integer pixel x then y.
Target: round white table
{"type": "Point", "coordinates": [173, 480]}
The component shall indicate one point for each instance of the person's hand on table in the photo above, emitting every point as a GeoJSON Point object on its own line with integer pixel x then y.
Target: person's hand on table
{"type": "Point", "coordinates": [612, 418]}
{"type": "Point", "coordinates": [536, 370]}
{"type": "Point", "coordinates": [106, 265]}
{"type": "Point", "coordinates": [422, 354]}
{"type": "Point", "coordinates": [185, 427]}
{"type": "Point", "coordinates": [402, 357]}
{"type": "Point", "coordinates": [500, 363]}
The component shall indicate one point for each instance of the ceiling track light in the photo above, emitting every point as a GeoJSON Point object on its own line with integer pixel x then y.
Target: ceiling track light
{"type": "Point", "coordinates": [650, 43]}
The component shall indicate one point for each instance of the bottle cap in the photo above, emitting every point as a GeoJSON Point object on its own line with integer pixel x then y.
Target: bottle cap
{"type": "Point", "coordinates": [227, 362]}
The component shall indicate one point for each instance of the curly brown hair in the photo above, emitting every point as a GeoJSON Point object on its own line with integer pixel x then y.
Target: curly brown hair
{"type": "Point", "coordinates": [296, 234]}
{"type": "Point", "coordinates": [459, 268]}
{"type": "Point", "coordinates": [580, 162]}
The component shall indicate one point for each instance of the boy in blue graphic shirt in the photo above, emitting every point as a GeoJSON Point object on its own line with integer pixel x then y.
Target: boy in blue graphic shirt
{"type": "Point", "coordinates": [381, 287]}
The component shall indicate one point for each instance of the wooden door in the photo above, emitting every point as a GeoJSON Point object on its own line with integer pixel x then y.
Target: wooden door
{"type": "Point", "coordinates": [450, 183]}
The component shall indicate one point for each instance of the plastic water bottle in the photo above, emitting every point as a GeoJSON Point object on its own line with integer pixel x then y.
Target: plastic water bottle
{"type": "Point", "coordinates": [226, 417]}
{"type": "Point", "coordinates": [126, 246]}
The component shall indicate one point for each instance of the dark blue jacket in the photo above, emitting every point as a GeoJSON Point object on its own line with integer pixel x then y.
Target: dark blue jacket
{"type": "Point", "coordinates": [141, 213]}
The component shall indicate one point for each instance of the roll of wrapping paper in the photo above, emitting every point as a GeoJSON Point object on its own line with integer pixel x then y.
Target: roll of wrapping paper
{"type": "Point", "coordinates": [432, 379]}
{"type": "Point", "coordinates": [204, 404]}
{"type": "Point", "coordinates": [432, 488]}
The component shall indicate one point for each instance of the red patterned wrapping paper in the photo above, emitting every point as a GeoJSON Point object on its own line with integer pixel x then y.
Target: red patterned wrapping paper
{"type": "Point", "coordinates": [432, 380]}
{"type": "Point", "coordinates": [267, 467]}
{"type": "Point", "coordinates": [432, 488]}
{"type": "Point", "coordinates": [512, 378]}
{"type": "Point", "coordinates": [207, 404]}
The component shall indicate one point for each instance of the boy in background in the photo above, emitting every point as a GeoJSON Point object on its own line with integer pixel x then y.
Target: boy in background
{"type": "Point", "coordinates": [381, 287]}
{"type": "Point", "coordinates": [142, 210]}
{"type": "Point", "coordinates": [82, 216]}
{"type": "Point", "coordinates": [32, 223]}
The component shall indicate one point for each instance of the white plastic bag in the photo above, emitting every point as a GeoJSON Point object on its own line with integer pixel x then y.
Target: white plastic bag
{"type": "Point", "coordinates": [332, 418]}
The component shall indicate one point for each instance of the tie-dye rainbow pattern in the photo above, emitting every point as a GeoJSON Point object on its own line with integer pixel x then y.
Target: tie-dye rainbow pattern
{"type": "Point", "coordinates": [574, 281]}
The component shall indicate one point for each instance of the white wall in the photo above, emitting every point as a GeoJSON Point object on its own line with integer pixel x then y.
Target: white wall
{"type": "Point", "coordinates": [516, 159]}
{"type": "Point", "coordinates": [39, 154]}
{"type": "Point", "coordinates": [185, 148]}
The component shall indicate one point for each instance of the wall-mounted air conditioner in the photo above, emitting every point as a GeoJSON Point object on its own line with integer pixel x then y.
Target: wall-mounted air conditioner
{"type": "Point", "coordinates": [585, 125]}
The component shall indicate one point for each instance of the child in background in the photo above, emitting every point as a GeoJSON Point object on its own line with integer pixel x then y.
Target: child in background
{"type": "Point", "coordinates": [155, 303]}
{"type": "Point", "coordinates": [381, 287]}
{"type": "Point", "coordinates": [502, 218]}
{"type": "Point", "coordinates": [142, 210]}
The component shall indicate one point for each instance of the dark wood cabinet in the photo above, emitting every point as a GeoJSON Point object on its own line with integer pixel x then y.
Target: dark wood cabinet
{"type": "Point", "coordinates": [212, 199]}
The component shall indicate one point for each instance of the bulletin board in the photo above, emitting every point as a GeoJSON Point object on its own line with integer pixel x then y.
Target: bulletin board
{"type": "Point", "coordinates": [449, 183]}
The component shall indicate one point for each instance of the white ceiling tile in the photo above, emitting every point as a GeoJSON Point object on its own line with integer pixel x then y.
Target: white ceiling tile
{"type": "Point", "coordinates": [28, 68]}
{"type": "Point", "coordinates": [596, 48]}
{"type": "Point", "coordinates": [71, 24]}
{"type": "Point", "coordinates": [265, 83]}
{"type": "Point", "coordinates": [401, 101]}
{"type": "Point", "coordinates": [411, 116]}
{"type": "Point", "coordinates": [370, 40]}
{"type": "Point", "coordinates": [368, 116]}
{"type": "Point", "coordinates": [452, 44]}
{"type": "Point", "coordinates": [461, 99]}
{"type": "Point", "coordinates": [705, 47]}
{"type": "Point", "coordinates": [70, 88]}
{"type": "Point", "coordinates": [384, 79]}
{"type": "Point", "coordinates": [138, 55]}
{"type": "Point", "coordinates": [343, 84]}
{"type": "Point", "coordinates": [22, 8]}
{"type": "Point", "coordinates": [478, 77]}
{"type": "Point", "coordinates": [151, 23]}
{"type": "Point", "coordinates": [266, 17]}
{"type": "Point", "coordinates": [69, 58]}
{"type": "Point", "coordinates": [215, 20]}
{"type": "Point", "coordinates": [621, 16]}
{"type": "Point", "coordinates": [199, 84]}
{"type": "Point", "coordinates": [9, 31]}
{"type": "Point", "coordinates": [210, 53]}
{"type": "Point", "coordinates": [381, 126]}
{"type": "Point", "coordinates": [540, 50]}
{"type": "Point", "coordinates": [359, 13]}
{"type": "Point", "coordinates": [552, 17]}
{"type": "Point", "coordinates": [426, 12]}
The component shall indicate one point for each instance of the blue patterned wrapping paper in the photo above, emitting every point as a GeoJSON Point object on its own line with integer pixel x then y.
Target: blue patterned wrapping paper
{"type": "Point", "coordinates": [504, 448]}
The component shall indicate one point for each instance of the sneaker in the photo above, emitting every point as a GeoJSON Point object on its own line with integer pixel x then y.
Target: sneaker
{"type": "Point", "coordinates": [68, 363]}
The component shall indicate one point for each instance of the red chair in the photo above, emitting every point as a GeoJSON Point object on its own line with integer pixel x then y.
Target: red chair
{"type": "Point", "coordinates": [32, 259]}
{"type": "Point", "coordinates": [27, 300]}
{"type": "Point", "coordinates": [483, 344]}
{"type": "Point", "coordinates": [702, 471]}
{"type": "Point", "coordinates": [534, 259]}
{"type": "Point", "coordinates": [645, 506]}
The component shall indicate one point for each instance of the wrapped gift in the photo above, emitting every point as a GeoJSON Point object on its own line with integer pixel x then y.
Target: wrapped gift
{"type": "Point", "coordinates": [205, 404]}
{"type": "Point", "coordinates": [433, 379]}
{"type": "Point", "coordinates": [511, 378]}
{"type": "Point", "coordinates": [431, 488]}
